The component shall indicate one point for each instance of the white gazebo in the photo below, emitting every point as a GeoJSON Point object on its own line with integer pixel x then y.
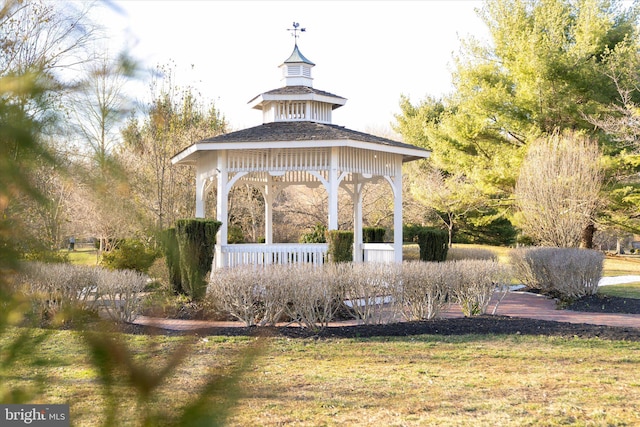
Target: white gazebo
{"type": "Point", "coordinates": [297, 144]}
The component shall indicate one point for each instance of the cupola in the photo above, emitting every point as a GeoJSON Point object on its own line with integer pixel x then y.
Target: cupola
{"type": "Point", "coordinates": [297, 100]}
{"type": "Point", "coordinates": [296, 70]}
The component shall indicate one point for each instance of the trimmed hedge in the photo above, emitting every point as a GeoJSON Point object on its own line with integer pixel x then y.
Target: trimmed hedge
{"type": "Point", "coordinates": [373, 234]}
{"type": "Point", "coordinates": [172, 256]}
{"type": "Point", "coordinates": [340, 245]}
{"type": "Point", "coordinates": [196, 240]}
{"type": "Point", "coordinates": [434, 244]}
{"type": "Point", "coordinates": [410, 232]}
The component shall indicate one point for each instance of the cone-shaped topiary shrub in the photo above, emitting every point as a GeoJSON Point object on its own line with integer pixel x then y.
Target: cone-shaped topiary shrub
{"type": "Point", "coordinates": [340, 245]}
{"type": "Point", "coordinates": [172, 256]}
{"type": "Point", "coordinates": [434, 244]}
{"type": "Point", "coordinates": [196, 240]}
{"type": "Point", "coordinates": [373, 234]}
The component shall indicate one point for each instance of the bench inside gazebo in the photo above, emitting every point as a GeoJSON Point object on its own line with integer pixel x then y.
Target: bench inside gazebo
{"type": "Point", "coordinates": [298, 145]}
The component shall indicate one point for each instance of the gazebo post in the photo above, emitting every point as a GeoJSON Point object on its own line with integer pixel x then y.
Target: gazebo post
{"type": "Point", "coordinates": [333, 189]}
{"type": "Point", "coordinates": [222, 207]}
{"type": "Point", "coordinates": [397, 211]}
{"type": "Point", "coordinates": [268, 210]}
{"type": "Point", "coordinates": [200, 193]}
{"type": "Point", "coordinates": [357, 218]}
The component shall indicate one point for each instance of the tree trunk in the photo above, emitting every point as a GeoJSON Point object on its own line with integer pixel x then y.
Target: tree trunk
{"type": "Point", "coordinates": [587, 236]}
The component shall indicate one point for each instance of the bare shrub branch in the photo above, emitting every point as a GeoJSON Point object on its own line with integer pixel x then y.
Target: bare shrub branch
{"type": "Point", "coordinates": [567, 273]}
{"type": "Point", "coordinates": [558, 191]}
{"type": "Point", "coordinates": [424, 289]}
{"type": "Point", "coordinates": [473, 283]}
{"type": "Point", "coordinates": [120, 292]}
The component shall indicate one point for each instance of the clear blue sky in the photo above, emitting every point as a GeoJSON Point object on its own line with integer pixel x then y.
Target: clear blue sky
{"type": "Point", "coordinates": [369, 52]}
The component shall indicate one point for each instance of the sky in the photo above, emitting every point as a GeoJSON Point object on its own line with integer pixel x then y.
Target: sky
{"type": "Point", "coordinates": [370, 52]}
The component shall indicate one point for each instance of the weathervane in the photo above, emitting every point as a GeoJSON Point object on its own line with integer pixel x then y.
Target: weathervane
{"type": "Point", "coordinates": [294, 31]}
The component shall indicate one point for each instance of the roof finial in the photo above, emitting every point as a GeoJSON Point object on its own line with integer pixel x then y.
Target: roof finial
{"type": "Point", "coordinates": [294, 31]}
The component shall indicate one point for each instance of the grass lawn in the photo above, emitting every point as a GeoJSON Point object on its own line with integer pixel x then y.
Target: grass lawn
{"type": "Point", "coordinates": [627, 290]}
{"type": "Point", "coordinates": [622, 266]}
{"type": "Point", "coordinates": [421, 380]}
{"type": "Point", "coordinates": [83, 255]}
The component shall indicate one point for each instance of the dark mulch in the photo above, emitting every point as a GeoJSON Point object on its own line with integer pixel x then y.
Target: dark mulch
{"type": "Point", "coordinates": [479, 325]}
{"type": "Point", "coordinates": [606, 304]}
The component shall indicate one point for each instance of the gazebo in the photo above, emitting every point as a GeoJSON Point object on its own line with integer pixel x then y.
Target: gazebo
{"type": "Point", "coordinates": [297, 144]}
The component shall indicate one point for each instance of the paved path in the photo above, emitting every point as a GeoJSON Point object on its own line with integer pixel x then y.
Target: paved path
{"type": "Point", "coordinates": [514, 304]}
{"type": "Point", "coordinates": [532, 306]}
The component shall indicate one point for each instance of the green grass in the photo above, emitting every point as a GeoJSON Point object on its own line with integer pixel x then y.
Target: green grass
{"type": "Point", "coordinates": [421, 380]}
{"type": "Point", "coordinates": [621, 266]}
{"type": "Point", "coordinates": [83, 255]}
{"type": "Point", "coordinates": [627, 290]}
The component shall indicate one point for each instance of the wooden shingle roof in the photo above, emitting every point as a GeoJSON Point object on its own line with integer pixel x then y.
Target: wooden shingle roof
{"type": "Point", "coordinates": [302, 131]}
{"type": "Point", "coordinates": [296, 135]}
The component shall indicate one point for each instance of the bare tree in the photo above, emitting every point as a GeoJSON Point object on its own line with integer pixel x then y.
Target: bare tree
{"type": "Point", "coordinates": [41, 35]}
{"type": "Point", "coordinates": [39, 41]}
{"type": "Point", "coordinates": [558, 190]}
{"type": "Point", "coordinates": [100, 107]}
{"type": "Point", "coordinates": [447, 197]}
{"type": "Point", "coordinates": [175, 118]}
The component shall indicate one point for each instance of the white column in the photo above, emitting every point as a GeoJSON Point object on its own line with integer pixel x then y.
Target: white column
{"type": "Point", "coordinates": [397, 210]}
{"type": "Point", "coordinates": [333, 189]}
{"type": "Point", "coordinates": [357, 218]}
{"type": "Point", "coordinates": [268, 210]}
{"type": "Point", "coordinates": [200, 186]}
{"type": "Point", "coordinates": [205, 167]}
{"type": "Point", "coordinates": [222, 205]}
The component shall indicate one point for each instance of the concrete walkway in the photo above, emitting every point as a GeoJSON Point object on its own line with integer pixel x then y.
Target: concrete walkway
{"type": "Point", "coordinates": [514, 304]}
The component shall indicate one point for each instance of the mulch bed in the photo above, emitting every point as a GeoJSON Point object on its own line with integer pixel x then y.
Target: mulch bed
{"type": "Point", "coordinates": [480, 325]}
{"type": "Point", "coordinates": [606, 304]}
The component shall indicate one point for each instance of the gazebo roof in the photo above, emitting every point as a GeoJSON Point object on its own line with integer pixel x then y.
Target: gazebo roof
{"type": "Point", "coordinates": [298, 134]}
{"type": "Point", "coordinates": [298, 92]}
{"type": "Point", "coordinates": [297, 57]}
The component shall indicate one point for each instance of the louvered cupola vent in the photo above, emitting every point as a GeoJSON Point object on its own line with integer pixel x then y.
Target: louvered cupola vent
{"type": "Point", "coordinates": [296, 70]}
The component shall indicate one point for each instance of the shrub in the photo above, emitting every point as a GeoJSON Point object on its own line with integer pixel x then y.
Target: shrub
{"type": "Point", "coordinates": [340, 245]}
{"type": "Point", "coordinates": [46, 255]}
{"type": "Point", "coordinates": [317, 235]}
{"type": "Point", "coordinates": [196, 240]}
{"type": "Point", "coordinates": [433, 244]}
{"type": "Point", "coordinates": [121, 291]}
{"type": "Point", "coordinates": [424, 289]}
{"type": "Point", "coordinates": [373, 234]}
{"type": "Point", "coordinates": [235, 235]}
{"type": "Point", "coordinates": [130, 254]}
{"type": "Point", "coordinates": [473, 283]}
{"type": "Point", "coordinates": [242, 293]}
{"type": "Point", "coordinates": [457, 254]}
{"type": "Point", "coordinates": [304, 294]}
{"type": "Point", "coordinates": [172, 256]}
{"type": "Point", "coordinates": [410, 232]}
{"type": "Point", "coordinates": [314, 294]}
{"type": "Point", "coordinates": [564, 273]}
{"type": "Point", "coordinates": [369, 289]}
{"type": "Point", "coordinates": [59, 293]}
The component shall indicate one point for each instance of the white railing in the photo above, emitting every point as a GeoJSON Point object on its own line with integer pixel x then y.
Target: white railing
{"type": "Point", "coordinates": [262, 254]}
{"type": "Point", "coordinates": [378, 252]}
